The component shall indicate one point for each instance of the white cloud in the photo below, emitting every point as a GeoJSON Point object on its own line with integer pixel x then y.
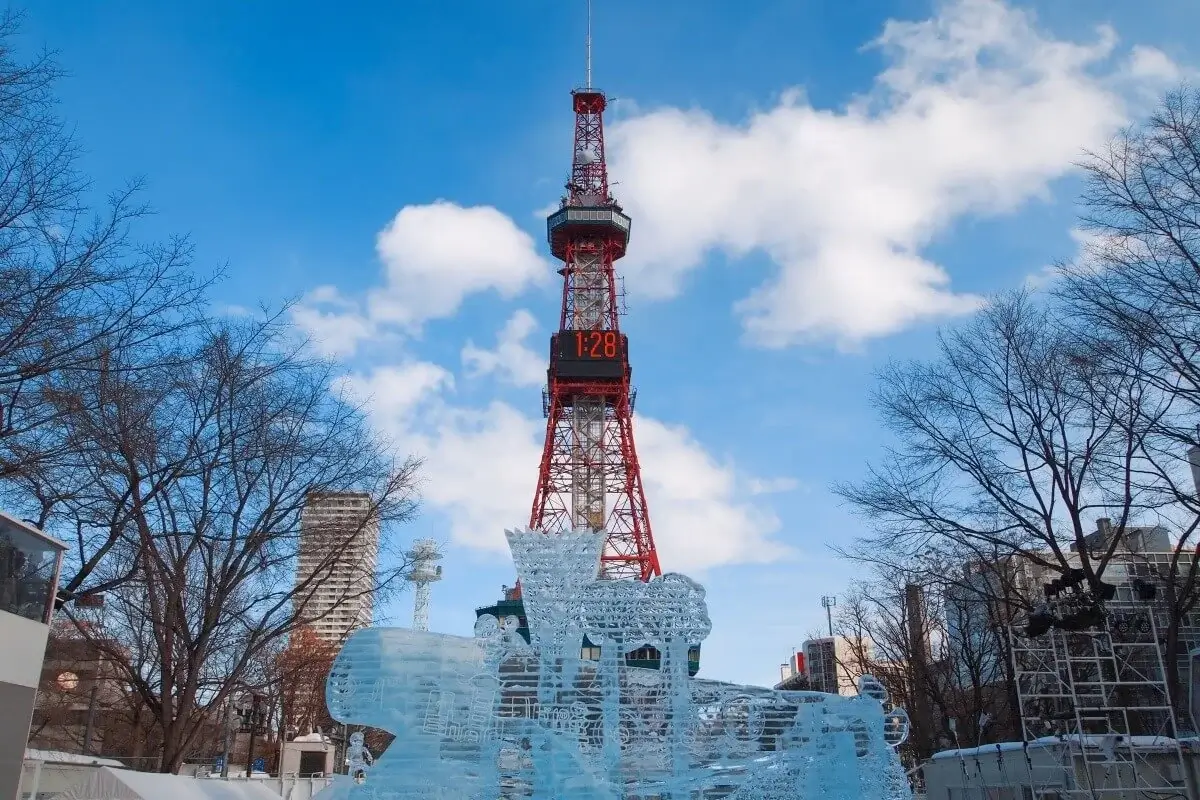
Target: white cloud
{"type": "Point", "coordinates": [437, 254]}
{"type": "Point", "coordinates": [1048, 274]}
{"type": "Point", "coordinates": [977, 112]}
{"type": "Point", "coordinates": [1094, 250]}
{"type": "Point", "coordinates": [400, 392]}
{"type": "Point", "coordinates": [332, 331]}
{"type": "Point", "coordinates": [540, 214]}
{"type": "Point", "coordinates": [433, 256]}
{"type": "Point", "coordinates": [757, 486]}
{"type": "Point", "coordinates": [1155, 65]}
{"type": "Point", "coordinates": [696, 510]}
{"type": "Point", "coordinates": [234, 310]}
{"type": "Point", "coordinates": [481, 467]}
{"type": "Point", "coordinates": [512, 359]}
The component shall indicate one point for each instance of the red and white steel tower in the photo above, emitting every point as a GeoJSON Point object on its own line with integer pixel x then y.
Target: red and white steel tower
{"type": "Point", "coordinates": [589, 476]}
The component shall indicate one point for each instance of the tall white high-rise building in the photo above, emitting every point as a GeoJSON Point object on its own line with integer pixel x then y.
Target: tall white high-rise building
{"type": "Point", "coordinates": [341, 547]}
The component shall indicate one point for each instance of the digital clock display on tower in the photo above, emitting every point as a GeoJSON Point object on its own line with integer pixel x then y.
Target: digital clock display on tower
{"type": "Point", "coordinates": [589, 354]}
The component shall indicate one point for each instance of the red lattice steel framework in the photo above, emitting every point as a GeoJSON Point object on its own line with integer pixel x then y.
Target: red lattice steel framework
{"type": "Point", "coordinates": [589, 476]}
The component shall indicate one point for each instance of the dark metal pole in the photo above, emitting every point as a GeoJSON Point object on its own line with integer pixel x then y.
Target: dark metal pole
{"type": "Point", "coordinates": [91, 720]}
{"type": "Point", "coordinates": [253, 730]}
{"type": "Point", "coordinates": [228, 736]}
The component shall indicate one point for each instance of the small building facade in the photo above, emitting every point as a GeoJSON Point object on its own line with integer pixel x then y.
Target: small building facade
{"type": "Point", "coordinates": [29, 565]}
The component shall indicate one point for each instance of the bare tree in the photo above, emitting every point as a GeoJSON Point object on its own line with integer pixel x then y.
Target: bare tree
{"type": "Point", "coordinates": [1138, 278]}
{"type": "Point", "coordinates": [1009, 444]}
{"type": "Point", "coordinates": [199, 475]}
{"type": "Point", "coordinates": [299, 676]}
{"type": "Point", "coordinates": [932, 656]}
{"type": "Point", "coordinates": [74, 286]}
{"type": "Point", "coordinates": [1134, 298]}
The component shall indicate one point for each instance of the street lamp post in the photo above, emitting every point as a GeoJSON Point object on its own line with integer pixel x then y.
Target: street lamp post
{"type": "Point", "coordinates": [252, 719]}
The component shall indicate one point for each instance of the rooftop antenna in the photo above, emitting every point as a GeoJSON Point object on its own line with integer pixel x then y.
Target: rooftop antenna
{"type": "Point", "coordinates": [589, 45]}
{"type": "Point", "coordinates": [828, 602]}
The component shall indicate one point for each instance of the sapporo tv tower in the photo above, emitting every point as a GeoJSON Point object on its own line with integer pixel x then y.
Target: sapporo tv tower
{"type": "Point", "coordinates": [589, 476]}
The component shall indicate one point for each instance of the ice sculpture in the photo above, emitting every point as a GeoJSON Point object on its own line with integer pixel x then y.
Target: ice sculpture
{"type": "Point", "coordinates": [358, 757]}
{"type": "Point", "coordinates": [494, 717]}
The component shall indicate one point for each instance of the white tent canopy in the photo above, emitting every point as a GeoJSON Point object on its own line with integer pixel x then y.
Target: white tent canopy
{"type": "Point", "coordinates": [60, 757]}
{"type": "Point", "coordinates": [121, 784]}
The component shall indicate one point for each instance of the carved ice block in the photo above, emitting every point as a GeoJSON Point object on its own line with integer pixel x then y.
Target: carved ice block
{"type": "Point", "coordinates": [491, 716]}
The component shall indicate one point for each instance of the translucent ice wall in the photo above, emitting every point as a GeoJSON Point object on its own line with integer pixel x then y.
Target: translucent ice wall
{"type": "Point", "coordinates": [492, 716]}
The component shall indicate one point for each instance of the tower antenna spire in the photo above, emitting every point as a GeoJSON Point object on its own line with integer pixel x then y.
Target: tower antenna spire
{"type": "Point", "coordinates": [589, 477]}
{"type": "Point", "coordinates": [589, 44]}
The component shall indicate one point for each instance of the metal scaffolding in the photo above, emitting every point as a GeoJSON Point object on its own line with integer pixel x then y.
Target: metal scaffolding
{"type": "Point", "coordinates": [1095, 710]}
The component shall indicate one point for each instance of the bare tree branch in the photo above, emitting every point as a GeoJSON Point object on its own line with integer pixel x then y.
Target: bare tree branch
{"type": "Point", "coordinates": [199, 475]}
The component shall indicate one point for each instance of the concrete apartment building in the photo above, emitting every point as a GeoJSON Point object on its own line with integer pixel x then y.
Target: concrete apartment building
{"type": "Point", "coordinates": [341, 545]}
{"type": "Point", "coordinates": [832, 664]}
{"type": "Point", "coordinates": [29, 566]}
{"type": "Point", "coordinates": [1143, 556]}
{"type": "Point", "coordinates": [80, 696]}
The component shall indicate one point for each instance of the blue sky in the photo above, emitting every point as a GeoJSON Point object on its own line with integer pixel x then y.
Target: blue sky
{"type": "Point", "coordinates": [806, 206]}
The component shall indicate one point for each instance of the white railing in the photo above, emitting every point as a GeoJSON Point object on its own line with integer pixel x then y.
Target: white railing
{"type": "Point", "coordinates": [42, 779]}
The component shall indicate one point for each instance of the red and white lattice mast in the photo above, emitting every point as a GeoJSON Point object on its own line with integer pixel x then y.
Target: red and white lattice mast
{"type": "Point", "coordinates": [589, 477]}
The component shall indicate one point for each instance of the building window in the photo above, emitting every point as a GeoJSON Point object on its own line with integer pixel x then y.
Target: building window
{"type": "Point", "coordinates": [28, 571]}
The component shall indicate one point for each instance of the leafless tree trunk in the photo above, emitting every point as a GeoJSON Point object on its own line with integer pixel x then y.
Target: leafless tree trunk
{"type": "Point", "coordinates": [199, 474]}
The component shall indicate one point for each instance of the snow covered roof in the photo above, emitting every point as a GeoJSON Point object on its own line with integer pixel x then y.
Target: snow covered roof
{"type": "Point", "coordinates": [62, 757]}
{"type": "Point", "coordinates": [312, 737]}
{"type": "Point", "coordinates": [1090, 740]}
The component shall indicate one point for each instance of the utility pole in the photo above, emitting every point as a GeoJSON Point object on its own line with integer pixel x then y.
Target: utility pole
{"type": "Point", "coordinates": [828, 602]}
{"type": "Point", "coordinates": [91, 720]}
